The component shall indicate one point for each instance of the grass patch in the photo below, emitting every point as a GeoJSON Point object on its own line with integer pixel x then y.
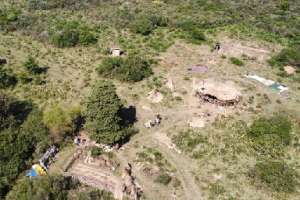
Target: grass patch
{"type": "Point", "coordinates": [64, 33]}
{"type": "Point", "coordinates": [269, 136]}
{"type": "Point", "coordinates": [164, 179]}
{"type": "Point", "coordinates": [276, 175]}
{"type": "Point", "coordinates": [154, 157]}
{"type": "Point", "coordinates": [188, 140]}
{"type": "Point", "coordinates": [287, 56]}
{"type": "Point", "coordinates": [146, 24]}
{"type": "Point", "coordinates": [96, 151]}
{"type": "Point", "coordinates": [236, 61]}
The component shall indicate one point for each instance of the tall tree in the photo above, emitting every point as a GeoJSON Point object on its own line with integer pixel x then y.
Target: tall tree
{"type": "Point", "coordinates": [103, 119]}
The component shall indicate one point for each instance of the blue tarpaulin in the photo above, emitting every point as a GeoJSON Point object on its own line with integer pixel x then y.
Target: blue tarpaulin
{"type": "Point", "coordinates": [32, 173]}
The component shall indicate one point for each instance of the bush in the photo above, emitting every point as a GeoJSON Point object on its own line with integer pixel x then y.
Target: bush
{"type": "Point", "coordinates": [103, 108]}
{"type": "Point", "coordinates": [8, 16]}
{"type": "Point", "coordinates": [164, 179]}
{"type": "Point", "coordinates": [188, 140]}
{"type": "Point", "coordinates": [96, 151]}
{"type": "Point", "coordinates": [48, 187]}
{"type": "Point", "coordinates": [94, 195]}
{"type": "Point", "coordinates": [70, 33]}
{"type": "Point", "coordinates": [130, 69]}
{"type": "Point", "coordinates": [196, 36]}
{"type": "Point", "coordinates": [62, 122]}
{"type": "Point", "coordinates": [277, 175]}
{"type": "Point", "coordinates": [146, 24]}
{"type": "Point", "coordinates": [32, 66]}
{"type": "Point", "coordinates": [7, 78]}
{"type": "Point", "coordinates": [191, 31]}
{"type": "Point", "coordinates": [236, 61]}
{"type": "Point", "coordinates": [287, 56]}
{"type": "Point", "coordinates": [278, 125]}
{"type": "Point", "coordinates": [270, 135]}
{"type": "Point", "coordinates": [54, 4]}
{"type": "Point", "coordinates": [21, 135]}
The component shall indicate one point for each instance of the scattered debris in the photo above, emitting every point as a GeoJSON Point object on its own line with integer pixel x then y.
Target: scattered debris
{"type": "Point", "coordinates": [116, 52]}
{"type": "Point", "coordinates": [198, 69]}
{"type": "Point", "coordinates": [48, 157]}
{"type": "Point", "coordinates": [170, 84]}
{"type": "Point", "coordinates": [217, 92]}
{"type": "Point", "coordinates": [197, 123]}
{"type": "Point", "coordinates": [289, 70]}
{"type": "Point", "coordinates": [3, 61]}
{"type": "Point", "coordinates": [130, 187]}
{"type": "Point", "coordinates": [36, 170]}
{"type": "Point", "coordinates": [155, 122]}
{"type": "Point", "coordinates": [155, 96]}
{"type": "Point", "coordinates": [146, 108]}
{"type": "Point", "coordinates": [271, 84]}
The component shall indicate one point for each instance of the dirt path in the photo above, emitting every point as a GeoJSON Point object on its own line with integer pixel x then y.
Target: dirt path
{"type": "Point", "coordinates": [184, 173]}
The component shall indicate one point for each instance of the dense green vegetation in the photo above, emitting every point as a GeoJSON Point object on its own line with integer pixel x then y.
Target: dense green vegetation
{"type": "Point", "coordinates": [32, 66]}
{"type": "Point", "coordinates": [54, 188]}
{"type": "Point", "coordinates": [277, 175]}
{"type": "Point", "coordinates": [7, 78]}
{"type": "Point", "coordinates": [146, 24]}
{"type": "Point", "coordinates": [22, 135]}
{"type": "Point", "coordinates": [62, 123]}
{"type": "Point", "coordinates": [277, 126]}
{"type": "Point", "coordinates": [287, 56]}
{"type": "Point", "coordinates": [236, 61]}
{"type": "Point", "coordinates": [70, 33]}
{"type": "Point", "coordinates": [103, 114]}
{"type": "Point", "coordinates": [131, 69]}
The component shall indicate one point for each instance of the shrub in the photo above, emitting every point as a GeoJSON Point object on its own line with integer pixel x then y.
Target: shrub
{"type": "Point", "coordinates": [188, 140]}
{"type": "Point", "coordinates": [277, 175]}
{"type": "Point", "coordinates": [164, 179]}
{"type": "Point", "coordinates": [7, 78]}
{"type": "Point", "coordinates": [287, 56]}
{"type": "Point", "coordinates": [47, 187]}
{"type": "Point", "coordinates": [142, 26]}
{"type": "Point", "coordinates": [62, 122]}
{"type": "Point", "coordinates": [130, 69]}
{"type": "Point", "coordinates": [32, 66]}
{"type": "Point", "coordinates": [277, 125]}
{"type": "Point", "coordinates": [270, 135]}
{"type": "Point", "coordinates": [192, 32]}
{"type": "Point", "coordinates": [21, 135]}
{"type": "Point", "coordinates": [70, 33]}
{"type": "Point", "coordinates": [103, 108]}
{"type": "Point", "coordinates": [195, 36]}
{"type": "Point", "coordinates": [146, 24]}
{"type": "Point", "coordinates": [53, 4]}
{"type": "Point", "coordinates": [8, 16]}
{"type": "Point", "coordinates": [96, 151]}
{"type": "Point", "coordinates": [236, 61]}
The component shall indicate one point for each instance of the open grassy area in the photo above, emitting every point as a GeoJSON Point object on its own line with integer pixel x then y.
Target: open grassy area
{"type": "Point", "coordinates": [56, 51]}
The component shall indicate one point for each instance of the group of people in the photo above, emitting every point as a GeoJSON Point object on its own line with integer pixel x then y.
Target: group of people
{"type": "Point", "coordinates": [154, 122]}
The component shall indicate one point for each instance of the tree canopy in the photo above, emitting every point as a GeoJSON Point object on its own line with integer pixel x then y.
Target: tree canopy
{"type": "Point", "coordinates": [103, 107]}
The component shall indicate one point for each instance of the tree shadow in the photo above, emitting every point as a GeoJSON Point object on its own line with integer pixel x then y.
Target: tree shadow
{"type": "Point", "coordinates": [20, 110]}
{"type": "Point", "coordinates": [128, 115]}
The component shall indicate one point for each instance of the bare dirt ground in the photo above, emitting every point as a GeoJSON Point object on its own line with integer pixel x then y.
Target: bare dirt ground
{"type": "Point", "coordinates": [97, 177]}
{"type": "Point", "coordinates": [197, 177]}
